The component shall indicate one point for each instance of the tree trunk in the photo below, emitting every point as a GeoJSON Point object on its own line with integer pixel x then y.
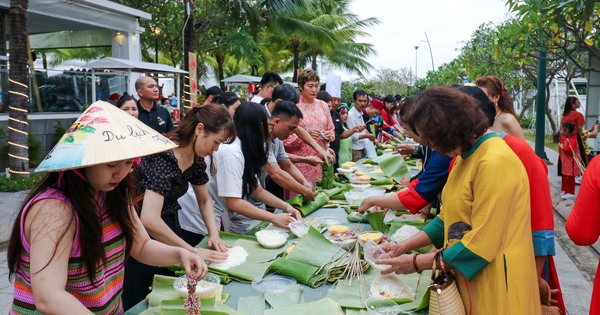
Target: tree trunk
{"type": "Point", "coordinates": [18, 155]}
{"type": "Point", "coordinates": [296, 46]}
{"type": "Point", "coordinates": [220, 73]}
{"type": "Point", "coordinates": [314, 62]}
{"type": "Point", "coordinates": [548, 110]}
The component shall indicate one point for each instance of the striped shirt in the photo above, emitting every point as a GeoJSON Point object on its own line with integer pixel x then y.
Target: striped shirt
{"type": "Point", "coordinates": [102, 298]}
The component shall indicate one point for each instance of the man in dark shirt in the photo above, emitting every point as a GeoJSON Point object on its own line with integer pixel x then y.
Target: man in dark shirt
{"type": "Point", "coordinates": [151, 114]}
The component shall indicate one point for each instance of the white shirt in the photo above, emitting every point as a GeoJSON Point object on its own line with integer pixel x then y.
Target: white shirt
{"type": "Point", "coordinates": [355, 118]}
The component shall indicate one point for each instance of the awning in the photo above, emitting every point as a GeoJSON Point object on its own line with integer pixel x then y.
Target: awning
{"type": "Point", "coordinates": [245, 79]}
{"type": "Point", "coordinates": [110, 63]}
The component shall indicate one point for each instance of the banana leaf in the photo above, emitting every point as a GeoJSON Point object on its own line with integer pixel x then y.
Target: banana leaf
{"type": "Point", "coordinates": [356, 217]}
{"type": "Point", "coordinates": [251, 305]}
{"type": "Point", "coordinates": [258, 227]}
{"type": "Point", "coordinates": [257, 262]}
{"type": "Point", "coordinates": [290, 297]}
{"type": "Point", "coordinates": [163, 294]}
{"type": "Point", "coordinates": [386, 187]}
{"type": "Point", "coordinates": [312, 270]}
{"type": "Point", "coordinates": [375, 219]}
{"type": "Point", "coordinates": [348, 294]}
{"type": "Point", "coordinates": [323, 306]}
{"type": "Point", "coordinates": [411, 162]}
{"type": "Point", "coordinates": [393, 165]}
{"type": "Point", "coordinates": [321, 199]}
{"type": "Point", "coordinates": [369, 161]}
{"type": "Point", "coordinates": [338, 197]}
{"type": "Point", "coordinates": [332, 191]}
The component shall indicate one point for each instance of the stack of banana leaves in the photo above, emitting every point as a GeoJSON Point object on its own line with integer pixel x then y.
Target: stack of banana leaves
{"type": "Point", "coordinates": [321, 198]}
{"type": "Point", "coordinates": [312, 270]}
{"type": "Point", "coordinates": [374, 218]}
{"type": "Point", "coordinates": [255, 266]}
{"type": "Point", "coordinates": [165, 300]}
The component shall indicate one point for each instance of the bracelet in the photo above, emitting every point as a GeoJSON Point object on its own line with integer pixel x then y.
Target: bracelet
{"type": "Point", "coordinates": [415, 263]}
{"type": "Point", "coordinates": [195, 251]}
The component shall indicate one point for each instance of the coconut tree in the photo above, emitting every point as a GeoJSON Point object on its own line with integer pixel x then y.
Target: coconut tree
{"type": "Point", "coordinates": [18, 158]}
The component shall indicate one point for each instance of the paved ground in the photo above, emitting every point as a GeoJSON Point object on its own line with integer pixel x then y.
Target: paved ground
{"type": "Point", "coordinates": [576, 265]}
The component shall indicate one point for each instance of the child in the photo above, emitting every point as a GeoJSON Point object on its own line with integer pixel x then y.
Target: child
{"type": "Point", "coordinates": [569, 155]}
{"type": "Point", "coordinates": [77, 226]}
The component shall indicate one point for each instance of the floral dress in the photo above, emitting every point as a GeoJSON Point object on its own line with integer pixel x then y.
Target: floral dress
{"type": "Point", "coordinates": [316, 117]}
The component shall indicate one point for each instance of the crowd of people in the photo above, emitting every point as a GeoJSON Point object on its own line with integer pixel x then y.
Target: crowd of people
{"type": "Point", "coordinates": [232, 161]}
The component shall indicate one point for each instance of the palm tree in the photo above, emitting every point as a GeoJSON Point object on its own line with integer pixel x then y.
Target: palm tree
{"type": "Point", "coordinates": [18, 157]}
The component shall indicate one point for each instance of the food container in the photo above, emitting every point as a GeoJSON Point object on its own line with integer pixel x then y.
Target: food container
{"type": "Point", "coordinates": [274, 284]}
{"type": "Point", "coordinates": [374, 252]}
{"type": "Point", "coordinates": [271, 238]}
{"type": "Point", "coordinates": [354, 197]}
{"type": "Point", "coordinates": [205, 289]}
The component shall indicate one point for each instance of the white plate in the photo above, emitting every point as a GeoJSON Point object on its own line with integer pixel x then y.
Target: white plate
{"type": "Point", "coordinates": [273, 284]}
{"type": "Point", "coordinates": [346, 170]}
{"type": "Point", "coordinates": [360, 186]}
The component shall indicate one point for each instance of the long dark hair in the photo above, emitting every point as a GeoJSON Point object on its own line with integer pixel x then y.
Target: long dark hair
{"type": "Point", "coordinates": [495, 87]}
{"type": "Point", "coordinates": [80, 194]}
{"type": "Point", "coordinates": [569, 102]}
{"type": "Point", "coordinates": [253, 130]}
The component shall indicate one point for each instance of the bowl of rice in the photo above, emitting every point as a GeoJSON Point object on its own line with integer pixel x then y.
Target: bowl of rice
{"type": "Point", "coordinates": [205, 289]}
{"type": "Point", "coordinates": [271, 239]}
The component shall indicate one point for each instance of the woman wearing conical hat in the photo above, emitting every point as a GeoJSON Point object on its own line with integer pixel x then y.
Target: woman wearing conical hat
{"type": "Point", "coordinates": [77, 226]}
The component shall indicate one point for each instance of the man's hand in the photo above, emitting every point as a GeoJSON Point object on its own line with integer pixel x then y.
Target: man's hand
{"type": "Point", "coordinates": [313, 160]}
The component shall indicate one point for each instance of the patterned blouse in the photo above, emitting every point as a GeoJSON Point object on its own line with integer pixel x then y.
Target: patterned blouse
{"type": "Point", "coordinates": [161, 174]}
{"type": "Point", "coordinates": [102, 298]}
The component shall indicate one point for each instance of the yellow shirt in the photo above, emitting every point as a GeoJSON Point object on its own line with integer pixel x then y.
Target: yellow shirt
{"type": "Point", "coordinates": [486, 226]}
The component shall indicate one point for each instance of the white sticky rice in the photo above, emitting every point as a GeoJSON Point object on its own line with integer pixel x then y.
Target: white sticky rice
{"type": "Point", "coordinates": [391, 287]}
{"type": "Point", "coordinates": [405, 232]}
{"type": "Point", "coordinates": [237, 256]}
{"type": "Point", "coordinates": [271, 238]}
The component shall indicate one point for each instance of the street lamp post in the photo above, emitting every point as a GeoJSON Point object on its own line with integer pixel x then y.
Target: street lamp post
{"type": "Point", "coordinates": [156, 31]}
{"type": "Point", "coordinates": [430, 52]}
{"type": "Point", "coordinates": [416, 59]}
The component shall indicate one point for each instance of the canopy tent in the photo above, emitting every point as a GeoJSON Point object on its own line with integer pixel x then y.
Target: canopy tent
{"type": "Point", "coordinates": [242, 79]}
{"type": "Point", "coordinates": [128, 66]}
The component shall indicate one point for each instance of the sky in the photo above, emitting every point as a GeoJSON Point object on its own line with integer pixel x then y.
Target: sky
{"type": "Point", "coordinates": [448, 23]}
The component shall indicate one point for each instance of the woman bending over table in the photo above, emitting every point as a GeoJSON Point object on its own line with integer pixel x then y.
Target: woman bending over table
{"type": "Point", "coordinates": [485, 222]}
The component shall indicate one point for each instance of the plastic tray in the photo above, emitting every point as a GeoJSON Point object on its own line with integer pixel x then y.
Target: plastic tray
{"type": "Point", "coordinates": [274, 284]}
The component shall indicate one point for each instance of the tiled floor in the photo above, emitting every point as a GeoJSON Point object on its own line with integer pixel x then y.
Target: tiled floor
{"type": "Point", "coordinates": [6, 288]}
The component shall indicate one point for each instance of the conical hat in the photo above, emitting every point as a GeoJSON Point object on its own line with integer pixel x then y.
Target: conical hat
{"type": "Point", "coordinates": [103, 134]}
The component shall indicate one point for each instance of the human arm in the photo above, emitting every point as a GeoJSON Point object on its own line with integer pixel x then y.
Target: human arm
{"type": "Point", "coordinates": [154, 253]}
{"type": "Point", "coordinates": [208, 216]}
{"type": "Point", "coordinates": [271, 200]}
{"type": "Point", "coordinates": [287, 181]}
{"type": "Point", "coordinates": [49, 255]}
{"type": "Point", "coordinates": [249, 210]}
{"type": "Point", "coordinates": [312, 160]}
{"type": "Point", "coordinates": [349, 132]}
{"type": "Point", "coordinates": [308, 139]}
{"type": "Point", "coordinates": [156, 226]}
{"type": "Point", "coordinates": [583, 224]}
{"type": "Point", "coordinates": [387, 201]}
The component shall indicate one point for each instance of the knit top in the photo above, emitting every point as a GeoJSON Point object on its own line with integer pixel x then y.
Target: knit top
{"type": "Point", "coordinates": [101, 297]}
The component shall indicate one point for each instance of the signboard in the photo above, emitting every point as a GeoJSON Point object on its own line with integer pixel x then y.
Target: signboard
{"type": "Point", "coordinates": [193, 81]}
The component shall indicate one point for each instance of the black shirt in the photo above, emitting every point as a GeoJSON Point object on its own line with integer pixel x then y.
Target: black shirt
{"type": "Point", "coordinates": [158, 118]}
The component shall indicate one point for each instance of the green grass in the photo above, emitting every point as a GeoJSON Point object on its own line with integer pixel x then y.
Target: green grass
{"type": "Point", "coordinates": [530, 135]}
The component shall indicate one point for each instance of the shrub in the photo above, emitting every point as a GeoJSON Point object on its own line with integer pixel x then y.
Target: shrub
{"type": "Point", "coordinates": [526, 121]}
{"type": "Point", "coordinates": [13, 184]}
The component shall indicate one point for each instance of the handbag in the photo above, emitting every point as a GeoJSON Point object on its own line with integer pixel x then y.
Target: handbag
{"type": "Point", "coordinates": [444, 298]}
{"type": "Point", "coordinates": [548, 309]}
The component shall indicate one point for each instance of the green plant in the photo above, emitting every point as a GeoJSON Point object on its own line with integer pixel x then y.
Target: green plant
{"type": "Point", "coordinates": [59, 131]}
{"type": "Point", "coordinates": [12, 184]}
{"type": "Point", "coordinates": [35, 150]}
{"type": "Point", "coordinates": [526, 121]}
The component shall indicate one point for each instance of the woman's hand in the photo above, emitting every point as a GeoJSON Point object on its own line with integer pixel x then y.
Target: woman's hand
{"type": "Point", "coordinates": [313, 160]}
{"type": "Point", "coordinates": [394, 250]}
{"type": "Point", "coordinates": [193, 265]}
{"type": "Point", "coordinates": [217, 243]}
{"type": "Point", "coordinates": [365, 204]}
{"type": "Point", "coordinates": [315, 134]}
{"type": "Point", "coordinates": [293, 212]}
{"type": "Point", "coordinates": [282, 220]}
{"type": "Point", "coordinates": [402, 264]}
{"type": "Point", "coordinates": [544, 292]}
{"type": "Point", "coordinates": [405, 181]}
{"type": "Point", "coordinates": [212, 256]}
